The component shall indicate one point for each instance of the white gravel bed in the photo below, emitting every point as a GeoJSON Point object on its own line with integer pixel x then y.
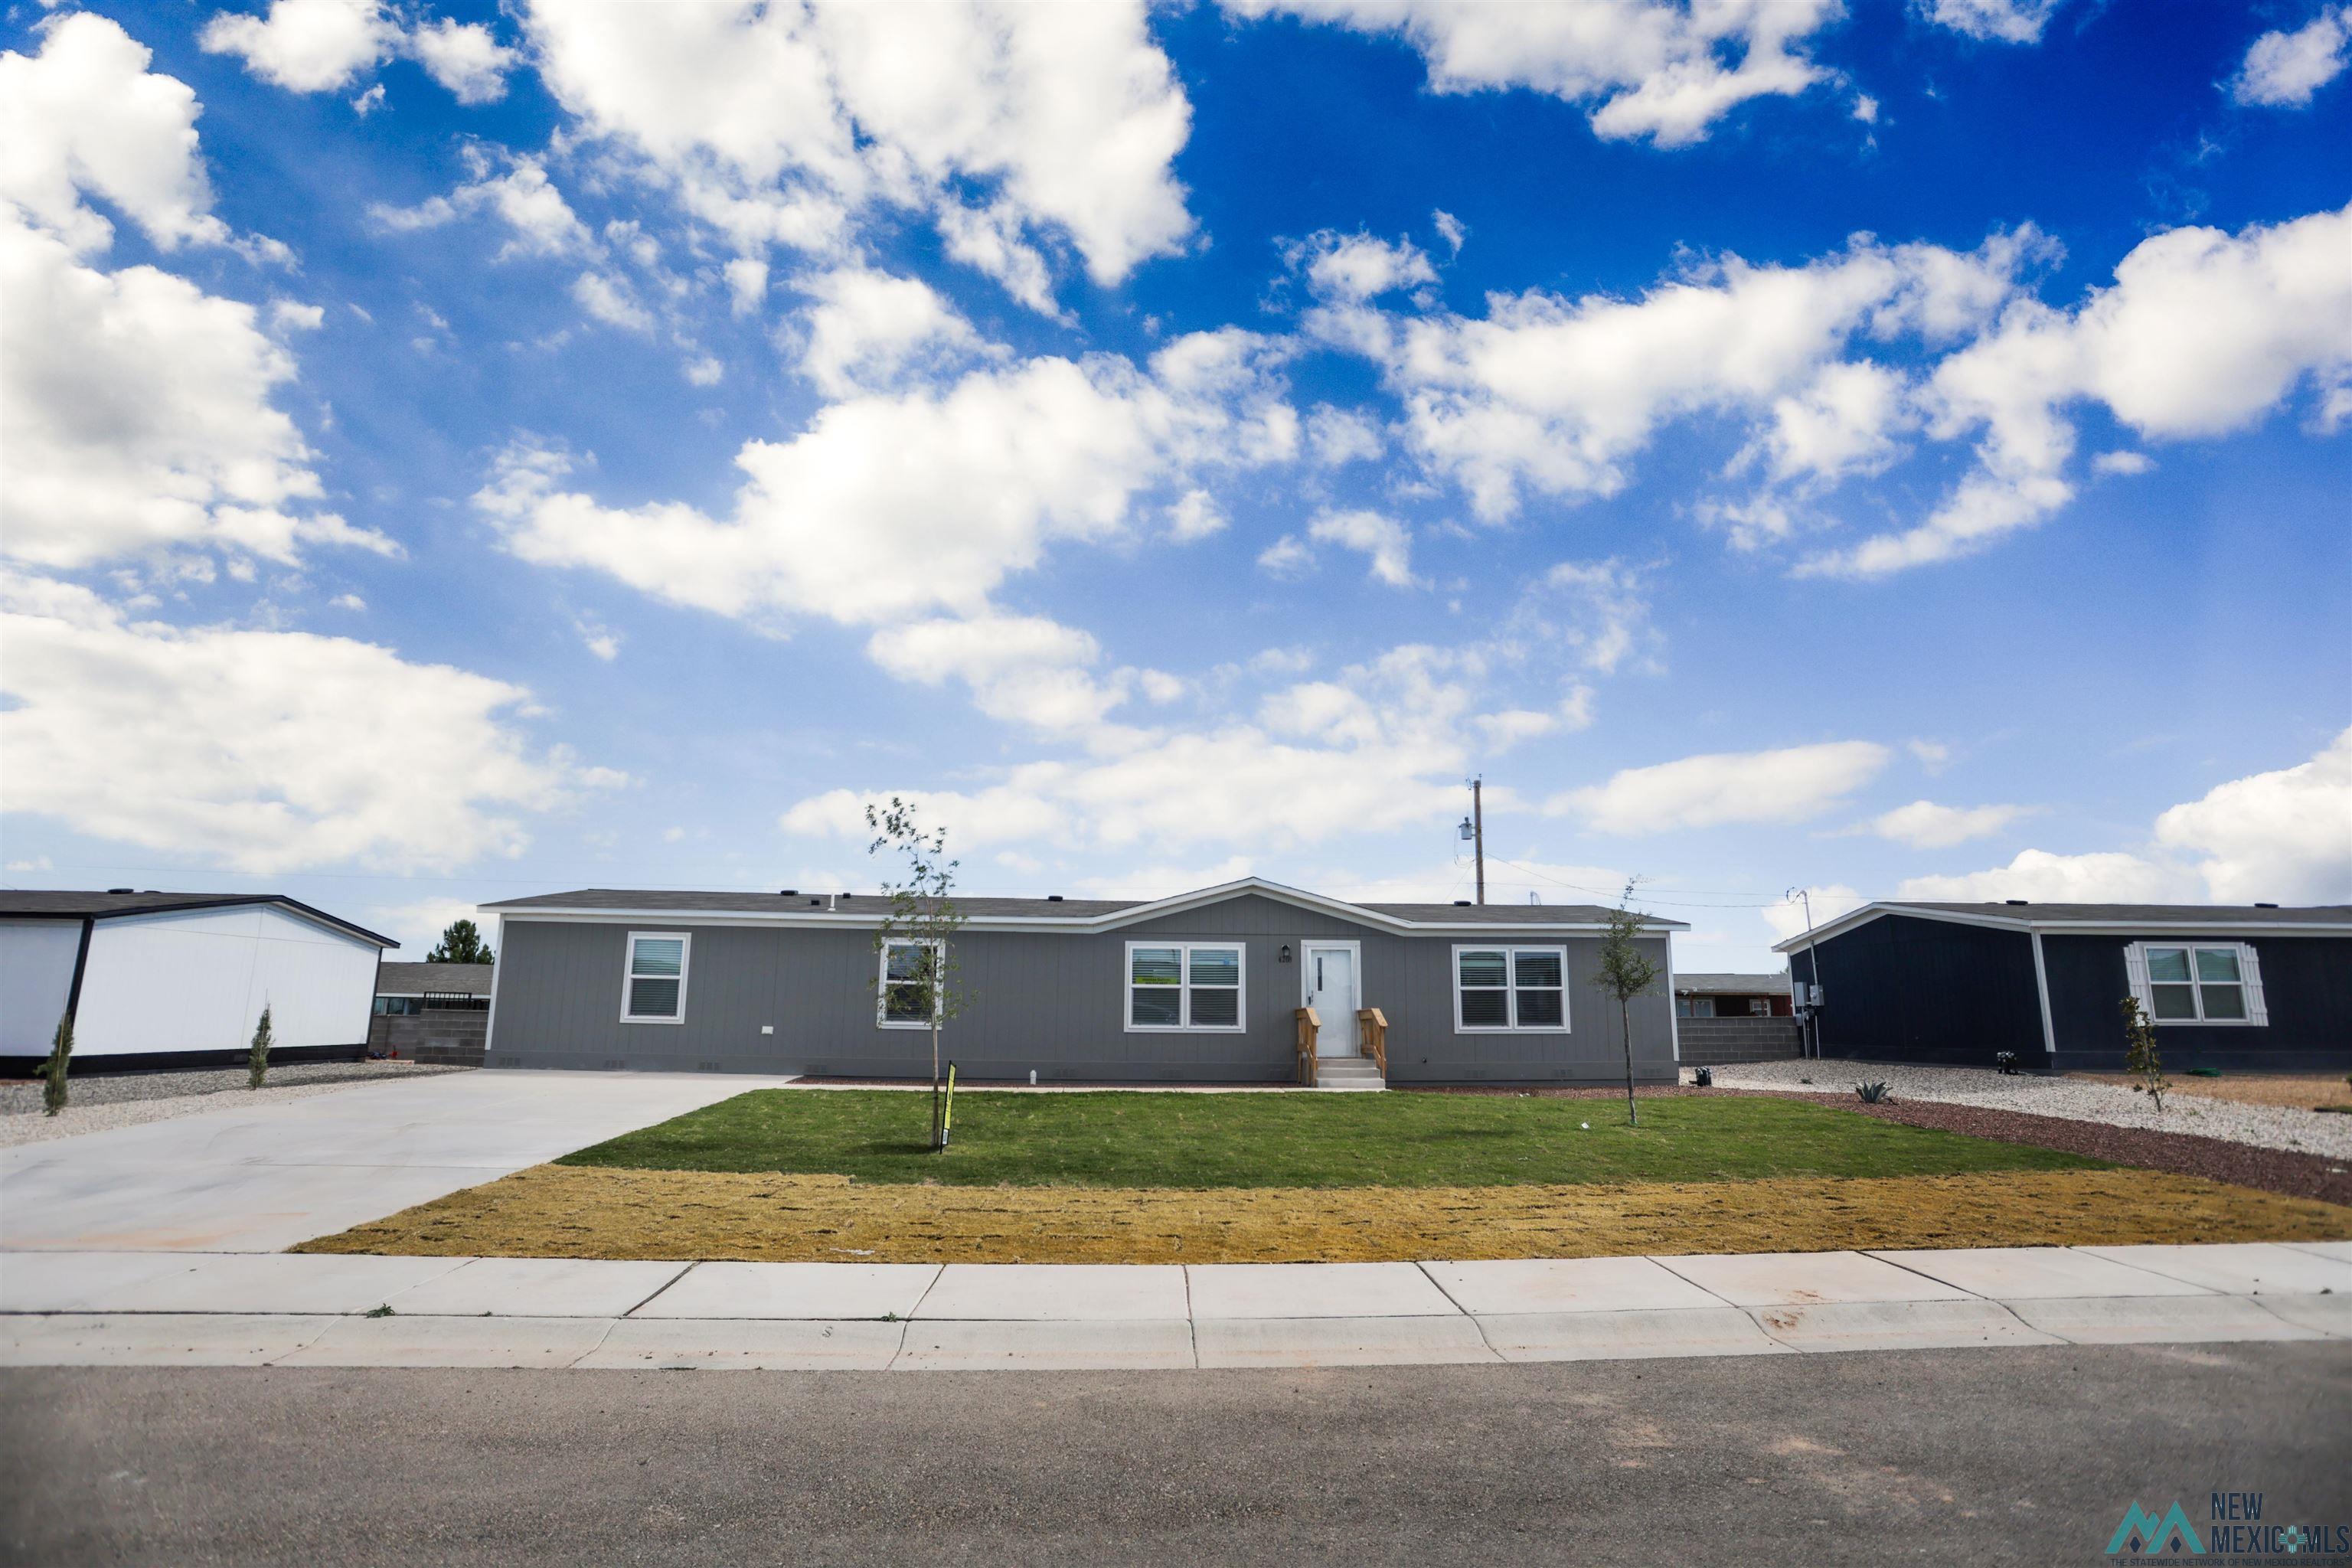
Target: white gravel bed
{"type": "Point", "coordinates": [102, 1102]}
{"type": "Point", "coordinates": [2076, 1099]}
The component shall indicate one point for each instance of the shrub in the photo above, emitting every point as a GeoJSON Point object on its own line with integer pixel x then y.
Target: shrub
{"type": "Point", "coordinates": [1873, 1092]}
{"type": "Point", "coordinates": [53, 1073]}
{"type": "Point", "coordinates": [257, 1060]}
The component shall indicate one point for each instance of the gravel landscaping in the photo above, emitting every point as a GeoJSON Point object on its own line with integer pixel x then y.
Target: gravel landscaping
{"type": "Point", "coordinates": [102, 1101]}
{"type": "Point", "coordinates": [2100, 1101]}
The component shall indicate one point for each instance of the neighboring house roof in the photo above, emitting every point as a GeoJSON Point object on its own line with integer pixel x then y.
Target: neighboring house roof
{"type": "Point", "coordinates": [45, 904]}
{"type": "Point", "coordinates": [2117, 918]}
{"type": "Point", "coordinates": [1063, 914]}
{"type": "Point", "coordinates": [443, 979]}
{"type": "Point", "coordinates": [1732, 984]}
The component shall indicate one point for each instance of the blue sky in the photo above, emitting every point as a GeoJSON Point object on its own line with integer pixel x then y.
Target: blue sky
{"type": "Point", "coordinates": [1890, 450]}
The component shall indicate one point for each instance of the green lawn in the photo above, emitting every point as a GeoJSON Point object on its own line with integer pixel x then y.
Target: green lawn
{"type": "Point", "coordinates": [1297, 1140]}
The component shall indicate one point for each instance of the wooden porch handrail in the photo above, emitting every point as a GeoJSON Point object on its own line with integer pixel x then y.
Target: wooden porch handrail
{"type": "Point", "coordinates": [1309, 1026]}
{"type": "Point", "coordinates": [1375, 1031]}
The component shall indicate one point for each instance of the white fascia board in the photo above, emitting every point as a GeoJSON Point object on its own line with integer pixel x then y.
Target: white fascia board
{"type": "Point", "coordinates": [1869, 913]}
{"type": "Point", "coordinates": [2222, 930]}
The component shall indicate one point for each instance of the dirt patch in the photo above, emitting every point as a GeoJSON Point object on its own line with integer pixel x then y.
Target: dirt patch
{"type": "Point", "coordinates": [2298, 1091]}
{"type": "Point", "coordinates": [554, 1211]}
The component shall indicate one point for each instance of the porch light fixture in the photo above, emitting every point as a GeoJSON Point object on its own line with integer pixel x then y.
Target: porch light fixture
{"type": "Point", "coordinates": [1286, 952]}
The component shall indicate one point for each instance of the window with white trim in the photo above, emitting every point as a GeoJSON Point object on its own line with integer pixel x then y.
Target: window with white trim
{"type": "Point", "coordinates": [906, 982]}
{"type": "Point", "coordinates": [1509, 988]}
{"type": "Point", "coordinates": [1184, 985]}
{"type": "Point", "coordinates": [2197, 983]}
{"type": "Point", "coordinates": [653, 983]}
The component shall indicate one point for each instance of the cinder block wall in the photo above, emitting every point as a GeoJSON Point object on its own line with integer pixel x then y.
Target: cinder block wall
{"type": "Point", "coordinates": [1716, 1042]}
{"type": "Point", "coordinates": [455, 1037]}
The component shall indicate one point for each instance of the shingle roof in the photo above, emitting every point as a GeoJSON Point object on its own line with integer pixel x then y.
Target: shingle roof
{"type": "Point", "coordinates": [1496, 914]}
{"type": "Point", "coordinates": [657, 901]}
{"type": "Point", "coordinates": [1733, 984]}
{"type": "Point", "coordinates": [778, 904]}
{"type": "Point", "coordinates": [2128, 914]}
{"type": "Point", "coordinates": [450, 979]}
{"type": "Point", "coordinates": [41, 903]}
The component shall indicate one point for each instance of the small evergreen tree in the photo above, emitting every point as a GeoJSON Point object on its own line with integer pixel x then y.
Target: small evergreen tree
{"type": "Point", "coordinates": [460, 944]}
{"type": "Point", "coordinates": [2140, 1060]}
{"type": "Point", "coordinates": [53, 1075]}
{"type": "Point", "coordinates": [923, 914]}
{"type": "Point", "coordinates": [1626, 972]}
{"type": "Point", "coordinates": [257, 1060]}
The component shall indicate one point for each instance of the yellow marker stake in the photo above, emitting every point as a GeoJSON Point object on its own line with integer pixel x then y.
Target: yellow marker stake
{"type": "Point", "coordinates": [946, 1117]}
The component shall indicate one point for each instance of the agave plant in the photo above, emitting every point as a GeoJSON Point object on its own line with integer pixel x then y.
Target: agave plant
{"type": "Point", "coordinates": [1873, 1092]}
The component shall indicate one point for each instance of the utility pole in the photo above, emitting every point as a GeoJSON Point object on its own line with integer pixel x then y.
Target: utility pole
{"type": "Point", "coordinates": [1811, 1025]}
{"type": "Point", "coordinates": [1479, 835]}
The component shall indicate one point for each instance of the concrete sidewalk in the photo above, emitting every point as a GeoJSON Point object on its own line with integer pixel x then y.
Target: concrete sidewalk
{"type": "Point", "coordinates": [60, 1308]}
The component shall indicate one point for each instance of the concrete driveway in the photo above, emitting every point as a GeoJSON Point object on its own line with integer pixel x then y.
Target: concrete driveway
{"type": "Point", "coordinates": [261, 1178]}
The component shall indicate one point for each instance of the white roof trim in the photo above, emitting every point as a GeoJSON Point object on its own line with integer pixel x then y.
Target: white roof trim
{"type": "Point", "coordinates": [1158, 908]}
{"type": "Point", "coordinates": [2025, 921]}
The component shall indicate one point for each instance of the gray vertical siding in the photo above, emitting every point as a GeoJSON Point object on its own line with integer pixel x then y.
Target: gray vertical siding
{"type": "Point", "coordinates": [1044, 1001]}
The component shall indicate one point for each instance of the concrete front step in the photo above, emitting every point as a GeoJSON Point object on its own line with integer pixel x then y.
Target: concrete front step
{"type": "Point", "coordinates": [1348, 1072]}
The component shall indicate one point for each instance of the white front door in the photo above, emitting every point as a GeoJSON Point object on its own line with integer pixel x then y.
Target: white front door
{"type": "Point", "coordinates": [1331, 992]}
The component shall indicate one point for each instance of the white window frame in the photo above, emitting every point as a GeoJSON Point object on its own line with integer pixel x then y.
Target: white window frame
{"type": "Point", "coordinates": [1510, 951]}
{"type": "Point", "coordinates": [882, 1019]}
{"type": "Point", "coordinates": [2250, 981]}
{"type": "Point", "coordinates": [1184, 1025]}
{"type": "Point", "coordinates": [685, 940]}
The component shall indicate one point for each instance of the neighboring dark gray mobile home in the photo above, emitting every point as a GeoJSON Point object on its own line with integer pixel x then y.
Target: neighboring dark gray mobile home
{"type": "Point", "coordinates": [1201, 988]}
{"type": "Point", "coordinates": [2229, 985]}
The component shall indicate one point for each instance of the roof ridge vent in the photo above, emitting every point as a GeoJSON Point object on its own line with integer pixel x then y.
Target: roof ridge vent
{"type": "Point", "coordinates": [1053, 897]}
{"type": "Point", "coordinates": [2019, 902]}
{"type": "Point", "coordinates": [789, 893]}
{"type": "Point", "coordinates": [112, 891]}
{"type": "Point", "coordinates": [2259, 905]}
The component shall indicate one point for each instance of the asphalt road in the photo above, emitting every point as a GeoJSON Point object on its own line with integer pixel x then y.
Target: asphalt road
{"type": "Point", "coordinates": [2006, 1455]}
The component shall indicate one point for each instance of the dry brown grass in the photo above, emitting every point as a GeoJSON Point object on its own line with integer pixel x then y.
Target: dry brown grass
{"type": "Point", "coordinates": [2299, 1090]}
{"type": "Point", "coordinates": [555, 1211]}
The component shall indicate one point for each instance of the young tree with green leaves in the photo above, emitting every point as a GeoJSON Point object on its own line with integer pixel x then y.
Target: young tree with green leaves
{"type": "Point", "coordinates": [257, 1056]}
{"type": "Point", "coordinates": [460, 944]}
{"type": "Point", "coordinates": [53, 1072]}
{"type": "Point", "coordinates": [1626, 972]}
{"type": "Point", "coordinates": [916, 980]}
{"type": "Point", "coordinates": [2140, 1060]}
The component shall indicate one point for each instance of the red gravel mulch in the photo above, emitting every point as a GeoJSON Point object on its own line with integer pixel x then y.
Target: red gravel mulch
{"type": "Point", "coordinates": [2185, 1153]}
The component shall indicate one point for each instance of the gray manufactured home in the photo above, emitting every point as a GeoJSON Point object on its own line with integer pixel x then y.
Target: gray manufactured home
{"type": "Point", "coordinates": [1200, 988]}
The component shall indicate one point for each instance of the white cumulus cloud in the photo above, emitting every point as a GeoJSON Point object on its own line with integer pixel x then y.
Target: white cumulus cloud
{"type": "Point", "coordinates": [2001, 21]}
{"type": "Point", "coordinates": [2202, 332]}
{"type": "Point", "coordinates": [1785, 785]}
{"type": "Point", "coordinates": [869, 329]}
{"type": "Point", "coordinates": [287, 750]}
{"type": "Point", "coordinates": [2283, 837]}
{"type": "Point", "coordinates": [1924, 824]}
{"type": "Point", "coordinates": [2283, 69]}
{"type": "Point", "coordinates": [776, 123]}
{"type": "Point", "coordinates": [836, 523]}
{"type": "Point", "coordinates": [1655, 68]}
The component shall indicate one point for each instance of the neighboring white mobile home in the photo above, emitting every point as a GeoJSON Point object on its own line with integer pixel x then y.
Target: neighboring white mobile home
{"type": "Point", "coordinates": [158, 978]}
